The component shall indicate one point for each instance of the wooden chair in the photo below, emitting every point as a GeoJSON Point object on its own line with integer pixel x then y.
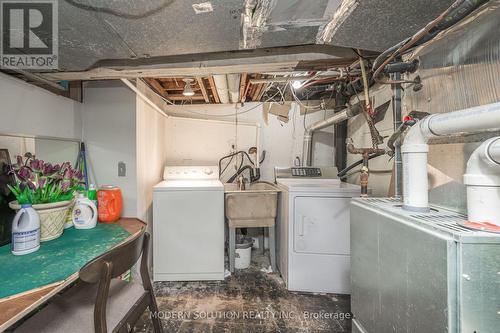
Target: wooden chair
{"type": "Point", "coordinates": [100, 296]}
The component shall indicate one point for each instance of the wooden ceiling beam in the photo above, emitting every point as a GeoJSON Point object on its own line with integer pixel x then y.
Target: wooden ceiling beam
{"type": "Point", "coordinates": [157, 86]}
{"type": "Point", "coordinates": [203, 89]}
{"type": "Point", "coordinates": [213, 89]}
{"type": "Point", "coordinates": [262, 91]}
{"type": "Point", "coordinates": [243, 84]}
{"type": "Point", "coordinates": [257, 91]}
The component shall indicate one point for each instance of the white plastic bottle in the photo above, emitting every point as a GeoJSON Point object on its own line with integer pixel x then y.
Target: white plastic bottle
{"type": "Point", "coordinates": [25, 231]}
{"type": "Point", "coordinates": [84, 213]}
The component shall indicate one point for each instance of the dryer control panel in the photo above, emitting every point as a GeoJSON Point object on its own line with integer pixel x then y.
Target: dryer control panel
{"type": "Point", "coordinates": [305, 172]}
{"type": "Point", "coordinates": [301, 172]}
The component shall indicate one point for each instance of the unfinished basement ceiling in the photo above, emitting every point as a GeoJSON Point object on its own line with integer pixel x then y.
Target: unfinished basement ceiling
{"type": "Point", "coordinates": [379, 24]}
{"type": "Point", "coordinates": [93, 31]}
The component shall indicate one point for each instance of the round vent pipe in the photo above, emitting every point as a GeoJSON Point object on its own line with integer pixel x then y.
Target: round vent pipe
{"type": "Point", "coordinates": [483, 183]}
{"type": "Point", "coordinates": [338, 117]}
{"type": "Point", "coordinates": [415, 147]}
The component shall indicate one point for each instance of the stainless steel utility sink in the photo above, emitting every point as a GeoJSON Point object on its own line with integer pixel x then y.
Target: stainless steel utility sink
{"type": "Point", "coordinates": [253, 207]}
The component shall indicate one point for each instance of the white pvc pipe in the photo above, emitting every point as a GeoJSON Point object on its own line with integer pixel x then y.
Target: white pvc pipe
{"type": "Point", "coordinates": [257, 145]}
{"type": "Point", "coordinates": [415, 148]}
{"type": "Point", "coordinates": [483, 183]}
{"type": "Point", "coordinates": [221, 87]}
{"type": "Point", "coordinates": [144, 97]}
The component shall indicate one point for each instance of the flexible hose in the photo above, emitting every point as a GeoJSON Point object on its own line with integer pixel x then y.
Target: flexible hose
{"type": "Point", "coordinates": [342, 173]}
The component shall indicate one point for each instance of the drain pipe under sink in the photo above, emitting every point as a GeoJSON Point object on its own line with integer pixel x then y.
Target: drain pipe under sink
{"type": "Point", "coordinates": [415, 147]}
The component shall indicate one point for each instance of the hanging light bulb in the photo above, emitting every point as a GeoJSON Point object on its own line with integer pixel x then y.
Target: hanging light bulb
{"type": "Point", "coordinates": [297, 84]}
{"type": "Point", "coordinates": [188, 90]}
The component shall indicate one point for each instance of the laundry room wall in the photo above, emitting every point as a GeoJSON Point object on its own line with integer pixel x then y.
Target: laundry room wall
{"type": "Point", "coordinates": [109, 132]}
{"type": "Point", "coordinates": [32, 111]}
{"type": "Point", "coordinates": [151, 143]}
{"type": "Point", "coordinates": [206, 142]}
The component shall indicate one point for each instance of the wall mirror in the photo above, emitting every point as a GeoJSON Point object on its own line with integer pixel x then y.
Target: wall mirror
{"type": "Point", "coordinates": [51, 150]}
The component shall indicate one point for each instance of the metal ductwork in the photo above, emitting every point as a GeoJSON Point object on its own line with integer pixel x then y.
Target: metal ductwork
{"type": "Point", "coordinates": [338, 117]}
{"type": "Point", "coordinates": [221, 87]}
{"type": "Point", "coordinates": [233, 84]}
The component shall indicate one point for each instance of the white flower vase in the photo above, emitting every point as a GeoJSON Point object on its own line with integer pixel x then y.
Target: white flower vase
{"type": "Point", "coordinates": [52, 217]}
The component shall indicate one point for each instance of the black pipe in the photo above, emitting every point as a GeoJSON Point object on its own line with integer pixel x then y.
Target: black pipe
{"type": "Point", "coordinates": [342, 173]}
{"type": "Point", "coordinates": [401, 67]}
{"type": "Point", "coordinates": [457, 14]}
{"type": "Point", "coordinates": [397, 133]}
{"type": "Point", "coordinates": [253, 177]}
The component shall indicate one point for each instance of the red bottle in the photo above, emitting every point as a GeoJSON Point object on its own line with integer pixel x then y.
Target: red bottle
{"type": "Point", "coordinates": [109, 203]}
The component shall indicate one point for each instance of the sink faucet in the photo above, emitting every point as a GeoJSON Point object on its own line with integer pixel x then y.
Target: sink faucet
{"type": "Point", "coordinates": [241, 183]}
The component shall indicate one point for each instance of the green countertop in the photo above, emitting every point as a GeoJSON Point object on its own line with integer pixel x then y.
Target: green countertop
{"type": "Point", "coordinates": [57, 259]}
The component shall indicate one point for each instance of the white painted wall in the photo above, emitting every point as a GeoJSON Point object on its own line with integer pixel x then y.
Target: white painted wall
{"type": "Point", "coordinates": [109, 132]}
{"type": "Point", "coordinates": [195, 142]}
{"type": "Point", "coordinates": [32, 111]}
{"type": "Point", "coordinates": [151, 144]}
{"type": "Point", "coordinates": [56, 151]}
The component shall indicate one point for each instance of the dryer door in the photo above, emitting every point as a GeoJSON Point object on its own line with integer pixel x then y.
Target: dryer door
{"type": "Point", "coordinates": [321, 225]}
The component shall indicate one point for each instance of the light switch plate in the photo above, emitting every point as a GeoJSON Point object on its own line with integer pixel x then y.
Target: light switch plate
{"type": "Point", "coordinates": [122, 169]}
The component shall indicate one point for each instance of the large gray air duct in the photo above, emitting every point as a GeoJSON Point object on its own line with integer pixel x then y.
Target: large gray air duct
{"type": "Point", "coordinates": [338, 117]}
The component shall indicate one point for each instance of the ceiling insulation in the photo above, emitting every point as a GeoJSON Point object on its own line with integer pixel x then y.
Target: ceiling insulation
{"type": "Point", "coordinates": [379, 24]}
{"type": "Point", "coordinates": [130, 38]}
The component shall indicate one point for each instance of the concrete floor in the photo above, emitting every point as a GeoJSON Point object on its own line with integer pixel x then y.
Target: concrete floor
{"type": "Point", "coordinates": [248, 301]}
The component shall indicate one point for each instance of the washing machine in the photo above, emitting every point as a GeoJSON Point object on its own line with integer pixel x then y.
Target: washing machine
{"type": "Point", "coordinates": [313, 229]}
{"type": "Point", "coordinates": [188, 225]}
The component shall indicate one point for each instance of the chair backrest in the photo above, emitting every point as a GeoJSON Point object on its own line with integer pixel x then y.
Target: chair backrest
{"type": "Point", "coordinates": [122, 258]}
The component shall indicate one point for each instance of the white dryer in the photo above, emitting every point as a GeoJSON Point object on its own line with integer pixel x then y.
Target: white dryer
{"type": "Point", "coordinates": [188, 225]}
{"type": "Point", "coordinates": [313, 229]}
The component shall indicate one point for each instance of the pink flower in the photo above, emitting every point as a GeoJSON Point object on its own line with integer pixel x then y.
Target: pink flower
{"type": "Point", "coordinates": [31, 185]}
{"type": "Point", "coordinates": [42, 181]}
{"type": "Point", "coordinates": [24, 173]}
{"type": "Point", "coordinates": [36, 165]}
{"type": "Point", "coordinates": [65, 185]}
{"type": "Point", "coordinates": [68, 174]}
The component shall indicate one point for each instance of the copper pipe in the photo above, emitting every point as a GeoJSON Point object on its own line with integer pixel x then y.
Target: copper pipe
{"type": "Point", "coordinates": [365, 171]}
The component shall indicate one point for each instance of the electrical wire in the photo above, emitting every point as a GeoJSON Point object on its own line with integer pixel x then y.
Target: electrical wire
{"type": "Point", "coordinates": [116, 13]}
{"type": "Point", "coordinates": [450, 16]}
{"type": "Point", "coordinates": [215, 116]}
{"type": "Point", "coordinates": [307, 107]}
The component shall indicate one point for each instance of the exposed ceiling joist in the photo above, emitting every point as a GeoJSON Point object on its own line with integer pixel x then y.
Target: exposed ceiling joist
{"type": "Point", "coordinates": [215, 95]}
{"type": "Point", "coordinates": [243, 84]}
{"type": "Point", "coordinates": [203, 89]}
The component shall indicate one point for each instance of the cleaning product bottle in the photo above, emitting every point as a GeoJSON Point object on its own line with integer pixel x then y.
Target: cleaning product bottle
{"type": "Point", "coordinates": [92, 194]}
{"type": "Point", "coordinates": [25, 231]}
{"type": "Point", "coordinates": [69, 216]}
{"type": "Point", "coordinates": [84, 213]}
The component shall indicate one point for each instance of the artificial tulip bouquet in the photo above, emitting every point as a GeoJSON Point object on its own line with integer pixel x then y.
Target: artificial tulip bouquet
{"type": "Point", "coordinates": [37, 182]}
